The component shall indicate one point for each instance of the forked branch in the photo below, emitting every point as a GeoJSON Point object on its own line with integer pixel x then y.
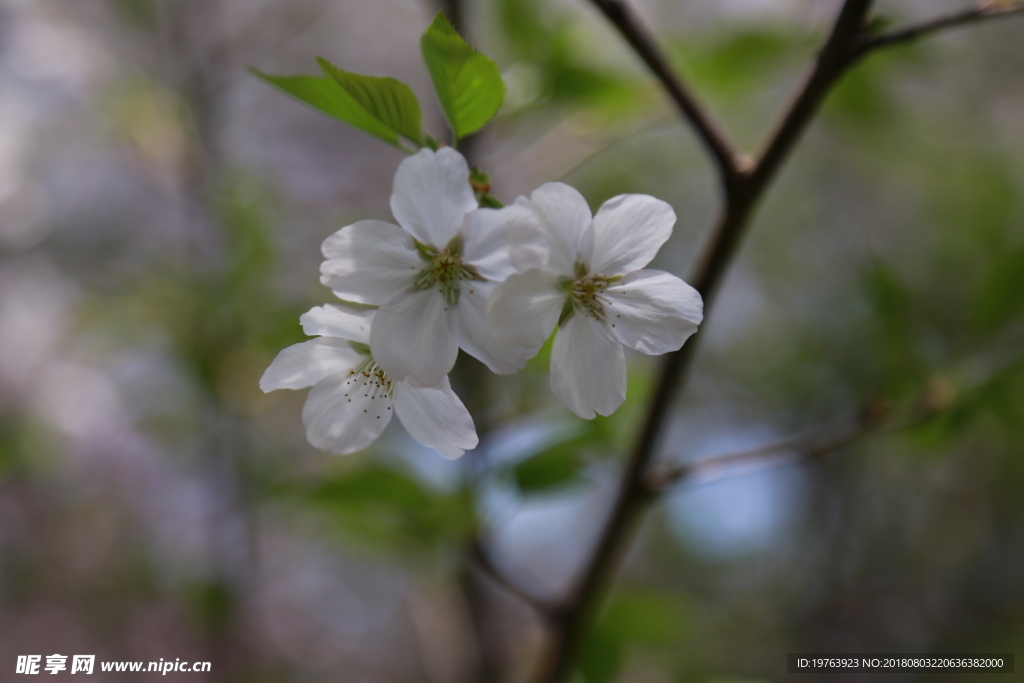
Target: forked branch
{"type": "Point", "coordinates": [906, 34]}
{"type": "Point", "coordinates": [745, 184]}
{"type": "Point", "coordinates": [712, 134]}
{"type": "Point", "coordinates": [546, 608]}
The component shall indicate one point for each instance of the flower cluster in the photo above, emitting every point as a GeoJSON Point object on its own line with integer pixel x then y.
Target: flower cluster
{"type": "Point", "coordinates": [493, 282]}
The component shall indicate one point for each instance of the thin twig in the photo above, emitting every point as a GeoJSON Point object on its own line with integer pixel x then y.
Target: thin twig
{"type": "Point", "coordinates": [745, 188]}
{"type": "Point", "coordinates": [811, 445]}
{"type": "Point", "coordinates": [712, 134]}
{"type": "Point", "coordinates": [833, 59]}
{"type": "Point", "coordinates": [745, 184]}
{"type": "Point", "coordinates": [543, 606]}
{"type": "Point", "coordinates": [989, 10]}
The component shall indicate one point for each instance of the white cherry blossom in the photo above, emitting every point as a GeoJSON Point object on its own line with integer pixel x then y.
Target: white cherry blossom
{"type": "Point", "coordinates": [593, 288]}
{"type": "Point", "coordinates": [352, 399]}
{"type": "Point", "coordinates": [432, 276]}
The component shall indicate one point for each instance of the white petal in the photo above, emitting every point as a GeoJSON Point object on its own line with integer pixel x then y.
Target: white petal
{"type": "Point", "coordinates": [524, 242]}
{"type": "Point", "coordinates": [332, 320]}
{"type": "Point", "coordinates": [628, 231]}
{"type": "Point", "coordinates": [485, 242]}
{"type": "Point", "coordinates": [432, 194]}
{"type": "Point", "coordinates": [652, 311]}
{"type": "Point", "coordinates": [588, 367]}
{"type": "Point", "coordinates": [523, 310]}
{"type": "Point", "coordinates": [435, 417]}
{"type": "Point", "coordinates": [369, 262]}
{"type": "Point", "coordinates": [564, 216]}
{"type": "Point", "coordinates": [473, 332]}
{"type": "Point", "coordinates": [411, 337]}
{"type": "Point", "coordinates": [303, 365]}
{"type": "Point", "coordinates": [343, 416]}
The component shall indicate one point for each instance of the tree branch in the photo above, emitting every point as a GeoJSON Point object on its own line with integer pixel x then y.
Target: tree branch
{"type": "Point", "coordinates": [811, 445]}
{"type": "Point", "coordinates": [988, 10]}
{"type": "Point", "coordinates": [712, 134]}
{"type": "Point", "coordinates": [833, 59]}
{"type": "Point", "coordinates": [745, 184]}
{"type": "Point", "coordinates": [745, 187]}
{"type": "Point", "coordinates": [546, 608]}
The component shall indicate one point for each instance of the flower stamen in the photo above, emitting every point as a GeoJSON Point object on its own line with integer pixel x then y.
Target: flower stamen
{"type": "Point", "coordinates": [369, 378]}
{"type": "Point", "coordinates": [445, 270]}
{"type": "Point", "coordinates": [585, 294]}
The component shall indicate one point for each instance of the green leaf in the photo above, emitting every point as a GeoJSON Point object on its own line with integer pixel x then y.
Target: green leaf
{"type": "Point", "coordinates": [382, 107]}
{"type": "Point", "coordinates": [391, 102]}
{"type": "Point", "coordinates": [373, 486]}
{"type": "Point", "coordinates": [384, 508]}
{"type": "Point", "coordinates": [549, 469]}
{"type": "Point", "coordinates": [648, 619]}
{"type": "Point", "coordinates": [1000, 297]}
{"type": "Point", "coordinates": [467, 82]}
{"type": "Point", "coordinates": [601, 657]}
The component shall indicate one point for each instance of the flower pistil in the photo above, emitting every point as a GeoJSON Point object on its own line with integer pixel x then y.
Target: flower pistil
{"type": "Point", "coordinates": [585, 294]}
{"type": "Point", "coordinates": [444, 269]}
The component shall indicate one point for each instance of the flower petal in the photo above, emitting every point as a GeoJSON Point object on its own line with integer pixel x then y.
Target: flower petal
{"type": "Point", "coordinates": [485, 241]}
{"type": "Point", "coordinates": [432, 194]}
{"type": "Point", "coordinates": [653, 312]}
{"type": "Point", "coordinates": [523, 310]}
{"type": "Point", "coordinates": [474, 335]}
{"type": "Point", "coordinates": [435, 417]}
{"type": "Point", "coordinates": [303, 365]}
{"type": "Point", "coordinates": [588, 367]}
{"type": "Point", "coordinates": [411, 337]}
{"type": "Point", "coordinates": [628, 231]}
{"type": "Point", "coordinates": [341, 417]}
{"type": "Point", "coordinates": [522, 239]}
{"type": "Point", "coordinates": [369, 262]}
{"type": "Point", "coordinates": [564, 216]}
{"type": "Point", "coordinates": [332, 320]}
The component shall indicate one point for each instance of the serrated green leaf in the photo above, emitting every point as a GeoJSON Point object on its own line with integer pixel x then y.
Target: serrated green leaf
{"type": "Point", "coordinates": [328, 95]}
{"type": "Point", "coordinates": [551, 468]}
{"type": "Point", "coordinates": [467, 82]}
{"type": "Point", "coordinates": [391, 102]}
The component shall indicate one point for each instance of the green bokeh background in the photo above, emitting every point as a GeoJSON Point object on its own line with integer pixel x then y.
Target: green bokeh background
{"type": "Point", "coordinates": [161, 212]}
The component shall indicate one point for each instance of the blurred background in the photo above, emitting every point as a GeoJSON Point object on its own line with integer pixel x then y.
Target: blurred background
{"type": "Point", "coordinates": [161, 212]}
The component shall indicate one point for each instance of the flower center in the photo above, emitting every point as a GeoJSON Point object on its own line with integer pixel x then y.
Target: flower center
{"type": "Point", "coordinates": [444, 269]}
{"type": "Point", "coordinates": [585, 294]}
{"type": "Point", "coordinates": [368, 379]}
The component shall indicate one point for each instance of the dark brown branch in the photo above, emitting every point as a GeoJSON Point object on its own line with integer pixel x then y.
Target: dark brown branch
{"type": "Point", "coordinates": [835, 56]}
{"type": "Point", "coordinates": [811, 445]}
{"type": "Point", "coordinates": [745, 189]}
{"type": "Point", "coordinates": [711, 133]}
{"type": "Point", "coordinates": [745, 183]}
{"type": "Point", "coordinates": [989, 10]}
{"type": "Point", "coordinates": [486, 564]}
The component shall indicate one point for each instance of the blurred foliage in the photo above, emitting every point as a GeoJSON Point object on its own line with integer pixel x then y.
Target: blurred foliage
{"type": "Point", "coordinates": [546, 46]}
{"type": "Point", "coordinates": [148, 487]}
{"type": "Point", "coordinates": [381, 507]}
{"type": "Point", "coordinates": [738, 62]}
{"type": "Point", "coordinates": [551, 468]}
{"type": "Point", "coordinates": [634, 620]}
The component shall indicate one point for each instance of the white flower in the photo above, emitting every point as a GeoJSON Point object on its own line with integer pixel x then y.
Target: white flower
{"type": "Point", "coordinates": [592, 288]}
{"type": "Point", "coordinates": [352, 397]}
{"type": "Point", "coordinates": [432, 276]}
